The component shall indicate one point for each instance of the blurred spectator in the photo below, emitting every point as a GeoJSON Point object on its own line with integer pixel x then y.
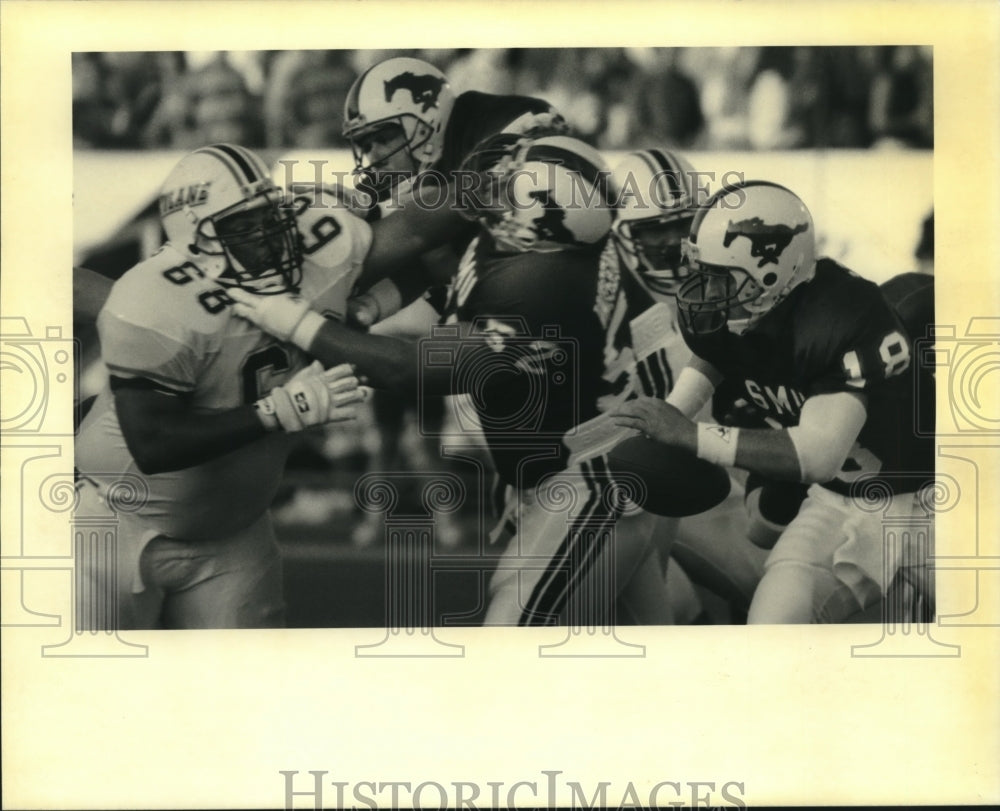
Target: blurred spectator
{"type": "Point", "coordinates": [689, 98]}
{"type": "Point", "coordinates": [902, 98]}
{"type": "Point", "coordinates": [207, 105]}
{"type": "Point", "coordinates": [659, 107]}
{"type": "Point", "coordinates": [784, 100]}
{"type": "Point", "coordinates": [846, 75]}
{"type": "Point", "coordinates": [115, 95]}
{"type": "Point", "coordinates": [571, 82]}
{"type": "Point", "coordinates": [251, 65]}
{"type": "Point", "coordinates": [91, 109]}
{"type": "Point", "coordinates": [725, 76]}
{"type": "Point", "coordinates": [222, 108]}
{"type": "Point", "coordinates": [484, 69]}
{"type": "Point", "coordinates": [304, 100]}
{"type": "Point", "coordinates": [924, 252]}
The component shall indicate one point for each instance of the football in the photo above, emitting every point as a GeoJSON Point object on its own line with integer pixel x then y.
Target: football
{"type": "Point", "coordinates": [675, 482]}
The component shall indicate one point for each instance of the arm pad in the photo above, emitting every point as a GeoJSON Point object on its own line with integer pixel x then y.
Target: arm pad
{"type": "Point", "coordinates": [691, 391]}
{"type": "Point", "coordinates": [827, 430]}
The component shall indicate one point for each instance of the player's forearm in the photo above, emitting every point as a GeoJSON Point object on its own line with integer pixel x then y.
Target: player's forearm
{"type": "Point", "coordinates": [813, 451]}
{"type": "Point", "coordinates": [424, 223]}
{"type": "Point", "coordinates": [767, 452]}
{"type": "Point", "coordinates": [174, 441]}
{"type": "Point", "coordinates": [782, 455]}
{"type": "Point", "coordinates": [693, 389]}
{"type": "Point", "coordinates": [381, 361]}
{"type": "Point", "coordinates": [387, 363]}
{"type": "Point", "coordinates": [390, 295]}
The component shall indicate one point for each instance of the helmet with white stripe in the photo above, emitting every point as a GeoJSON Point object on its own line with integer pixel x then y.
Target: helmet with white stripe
{"type": "Point", "coordinates": [656, 204]}
{"type": "Point", "coordinates": [544, 194]}
{"type": "Point", "coordinates": [221, 209]}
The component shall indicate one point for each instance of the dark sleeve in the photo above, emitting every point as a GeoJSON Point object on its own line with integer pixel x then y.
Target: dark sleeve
{"type": "Point", "coordinates": [911, 295]}
{"type": "Point", "coordinates": [855, 344]}
{"type": "Point", "coordinates": [541, 292]}
{"type": "Point", "coordinates": [717, 349]}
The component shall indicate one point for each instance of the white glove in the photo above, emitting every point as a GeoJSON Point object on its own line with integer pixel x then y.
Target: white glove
{"type": "Point", "coordinates": [312, 397]}
{"type": "Point", "coordinates": [285, 316]}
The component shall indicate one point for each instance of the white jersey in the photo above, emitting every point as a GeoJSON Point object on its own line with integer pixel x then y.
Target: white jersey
{"type": "Point", "coordinates": [645, 349]}
{"type": "Point", "coordinates": [167, 326]}
{"type": "Point", "coordinates": [644, 352]}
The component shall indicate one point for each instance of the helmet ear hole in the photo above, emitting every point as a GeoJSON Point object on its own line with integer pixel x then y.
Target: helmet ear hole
{"type": "Point", "coordinates": [769, 278]}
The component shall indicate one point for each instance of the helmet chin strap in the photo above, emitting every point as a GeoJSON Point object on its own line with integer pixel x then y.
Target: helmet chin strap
{"type": "Point", "coordinates": [739, 326]}
{"type": "Point", "coordinates": [211, 265]}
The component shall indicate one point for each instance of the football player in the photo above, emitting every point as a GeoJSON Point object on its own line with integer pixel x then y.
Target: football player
{"type": "Point", "coordinates": [658, 195]}
{"type": "Point", "coordinates": [408, 130]}
{"type": "Point", "coordinates": [200, 405]}
{"type": "Point", "coordinates": [821, 353]}
{"type": "Point", "coordinates": [529, 345]}
{"type": "Point", "coordinates": [406, 127]}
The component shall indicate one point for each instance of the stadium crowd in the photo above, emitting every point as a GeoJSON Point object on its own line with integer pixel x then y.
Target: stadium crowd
{"type": "Point", "coordinates": [614, 98]}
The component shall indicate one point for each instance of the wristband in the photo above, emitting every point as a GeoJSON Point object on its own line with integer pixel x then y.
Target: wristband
{"type": "Point", "coordinates": [305, 331]}
{"type": "Point", "coordinates": [717, 443]}
{"type": "Point", "coordinates": [264, 408]}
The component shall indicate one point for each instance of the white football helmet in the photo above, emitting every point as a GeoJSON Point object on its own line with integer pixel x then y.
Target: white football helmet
{"type": "Point", "coordinates": [547, 194]}
{"type": "Point", "coordinates": [751, 244]}
{"type": "Point", "coordinates": [656, 203]}
{"type": "Point", "coordinates": [221, 209]}
{"type": "Point", "coordinates": [405, 92]}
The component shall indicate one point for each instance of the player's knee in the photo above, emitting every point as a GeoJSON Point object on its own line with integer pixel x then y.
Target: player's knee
{"type": "Point", "coordinates": [791, 592]}
{"type": "Point", "coordinates": [841, 602]}
{"type": "Point", "coordinates": [261, 614]}
{"type": "Point", "coordinates": [770, 507]}
{"type": "Point", "coordinates": [166, 565]}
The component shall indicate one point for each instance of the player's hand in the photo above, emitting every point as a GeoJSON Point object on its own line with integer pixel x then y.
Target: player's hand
{"type": "Point", "coordinates": [362, 311]}
{"type": "Point", "coordinates": [658, 420]}
{"type": "Point", "coordinates": [278, 315]}
{"type": "Point", "coordinates": [312, 397]}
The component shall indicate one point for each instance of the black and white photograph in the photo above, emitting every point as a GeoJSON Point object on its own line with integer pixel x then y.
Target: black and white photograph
{"type": "Point", "coordinates": [444, 383]}
{"type": "Point", "coordinates": [563, 375]}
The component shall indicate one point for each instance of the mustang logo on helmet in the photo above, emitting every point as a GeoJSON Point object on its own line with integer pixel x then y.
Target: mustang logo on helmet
{"type": "Point", "coordinates": [767, 241]}
{"type": "Point", "coordinates": [551, 225]}
{"type": "Point", "coordinates": [424, 90]}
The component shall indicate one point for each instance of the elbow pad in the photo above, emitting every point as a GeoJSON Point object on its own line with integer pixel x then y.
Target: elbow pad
{"type": "Point", "coordinates": [827, 430]}
{"type": "Point", "coordinates": [691, 391]}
